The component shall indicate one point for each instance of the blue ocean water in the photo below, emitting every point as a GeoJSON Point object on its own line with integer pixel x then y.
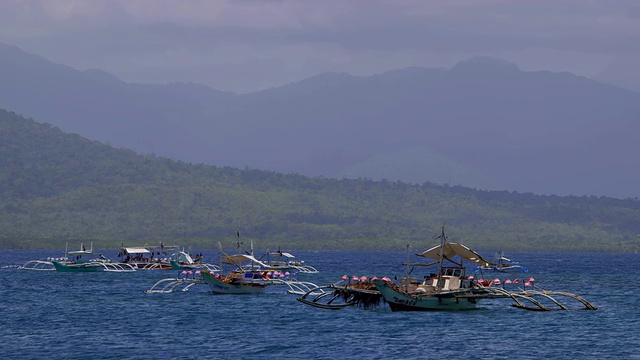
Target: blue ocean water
{"type": "Point", "coordinates": [48, 314]}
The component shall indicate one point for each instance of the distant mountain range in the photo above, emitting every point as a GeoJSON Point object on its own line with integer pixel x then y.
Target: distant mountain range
{"type": "Point", "coordinates": [483, 123]}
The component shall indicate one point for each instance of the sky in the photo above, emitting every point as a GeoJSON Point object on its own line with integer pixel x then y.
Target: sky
{"type": "Point", "coordinates": [249, 45]}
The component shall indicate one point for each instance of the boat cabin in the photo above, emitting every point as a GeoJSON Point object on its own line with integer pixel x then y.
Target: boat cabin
{"type": "Point", "coordinates": [452, 278]}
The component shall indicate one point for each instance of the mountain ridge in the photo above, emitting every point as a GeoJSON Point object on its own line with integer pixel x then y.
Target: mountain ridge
{"type": "Point", "coordinates": [525, 131]}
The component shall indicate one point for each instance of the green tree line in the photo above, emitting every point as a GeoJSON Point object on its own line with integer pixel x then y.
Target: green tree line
{"type": "Point", "coordinates": [57, 187]}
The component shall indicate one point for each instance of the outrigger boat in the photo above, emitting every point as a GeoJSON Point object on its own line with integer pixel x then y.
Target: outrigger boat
{"type": "Point", "coordinates": [504, 264]}
{"type": "Point", "coordinates": [240, 280]}
{"type": "Point", "coordinates": [82, 261]}
{"type": "Point", "coordinates": [448, 289]}
{"type": "Point", "coordinates": [249, 282]}
{"type": "Point", "coordinates": [186, 279]}
{"type": "Point", "coordinates": [252, 278]}
{"type": "Point", "coordinates": [248, 276]}
{"type": "Point", "coordinates": [149, 257]}
{"type": "Point", "coordinates": [184, 261]}
{"type": "Point", "coordinates": [284, 261]}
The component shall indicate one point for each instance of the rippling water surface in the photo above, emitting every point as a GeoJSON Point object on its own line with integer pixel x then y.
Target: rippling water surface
{"type": "Point", "coordinates": [46, 314]}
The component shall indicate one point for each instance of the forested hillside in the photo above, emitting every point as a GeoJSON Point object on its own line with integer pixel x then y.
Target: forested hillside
{"type": "Point", "coordinates": [57, 187]}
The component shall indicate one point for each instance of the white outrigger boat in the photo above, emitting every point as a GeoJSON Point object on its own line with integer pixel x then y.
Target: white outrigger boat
{"type": "Point", "coordinates": [504, 264]}
{"type": "Point", "coordinates": [284, 261]}
{"type": "Point", "coordinates": [148, 257]}
{"type": "Point", "coordinates": [184, 261]}
{"type": "Point", "coordinates": [81, 260]}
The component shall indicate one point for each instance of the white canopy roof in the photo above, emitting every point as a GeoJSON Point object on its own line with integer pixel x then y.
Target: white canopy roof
{"type": "Point", "coordinates": [136, 250]}
{"type": "Point", "coordinates": [451, 250]}
{"type": "Point", "coordinates": [240, 258]}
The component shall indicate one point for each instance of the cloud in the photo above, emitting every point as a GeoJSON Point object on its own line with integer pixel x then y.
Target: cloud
{"type": "Point", "coordinates": [298, 37]}
{"type": "Point", "coordinates": [441, 24]}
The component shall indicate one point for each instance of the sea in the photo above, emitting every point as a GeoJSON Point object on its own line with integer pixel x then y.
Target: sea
{"type": "Point", "coordinates": [52, 315]}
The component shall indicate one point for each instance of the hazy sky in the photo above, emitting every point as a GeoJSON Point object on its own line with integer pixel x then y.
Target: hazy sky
{"type": "Point", "coordinates": [246, 45]}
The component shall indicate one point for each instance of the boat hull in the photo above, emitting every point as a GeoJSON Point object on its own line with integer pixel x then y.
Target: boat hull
{"type": "Point", "coordinates": [400, 301]}
{"type": "Point", "coordinates": [177, 266]}
{"type": "Point", "coordinates": [220, 287]}
{"type": "Point", "coordinates": [151, 266]}
{"type": "Point", "coordinates": [84, 267]}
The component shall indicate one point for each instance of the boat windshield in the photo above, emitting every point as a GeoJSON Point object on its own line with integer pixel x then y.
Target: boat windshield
{"type": "Point", "coordinates": [458, 272]}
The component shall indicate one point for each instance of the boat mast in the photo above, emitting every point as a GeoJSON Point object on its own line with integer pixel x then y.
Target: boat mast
{"type": "Point", "coordinates": [406, 271]}
{"type": "Point", "coordinates": [252, 264]}
{"type": "Point", "coordinates": [442, 238]}
{"type": "Point", "coordinates": [238, 242]}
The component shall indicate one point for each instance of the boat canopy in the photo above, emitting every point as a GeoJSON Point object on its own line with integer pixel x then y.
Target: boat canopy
{"type": "Point", "coordinates": [451, 250]}
{"type": "Point", "coordinates": [185, 258]}
{"type": "Point", "coordinates": [283, 254]}
{"type": "Point", "coordinates": [240, 258]}
{"type": "Point", "coordinates": [136, 250]}
{"type": "Point", "coordinates": [82, 251]}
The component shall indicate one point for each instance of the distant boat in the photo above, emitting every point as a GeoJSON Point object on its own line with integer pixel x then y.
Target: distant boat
{"type": "Point", "coordinates": [148, 257]}
{"type": "Point", "coordinates": [284, 261]}
{"type": "Point", "coordinates": [503, 264]}
{"type": "Point", "coordinates": [184, 261]}
{"type": "Point", "coordinates": [84, 260]}
{"type": "Point", "coordinates": [240, 280]}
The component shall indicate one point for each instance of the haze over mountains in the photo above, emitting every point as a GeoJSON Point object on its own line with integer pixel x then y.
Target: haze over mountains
{"type": "Point", "coordinates": [483, 123]}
